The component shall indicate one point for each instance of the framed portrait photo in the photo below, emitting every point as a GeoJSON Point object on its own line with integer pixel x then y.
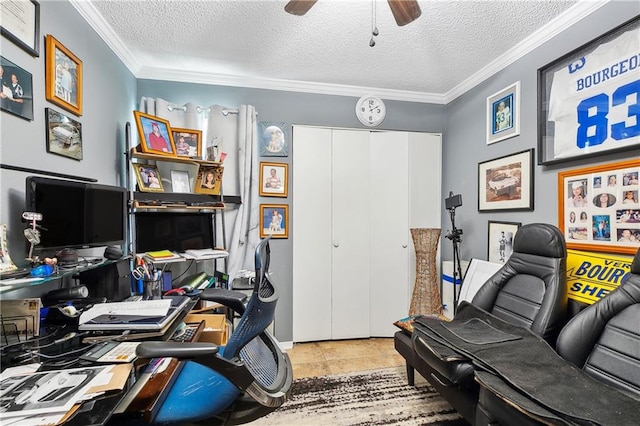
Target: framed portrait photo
{"type": "Point", "coordinates": [503, 114]}
{"type": "Point", "coordinates": [148, 178]}
{"type": "Point", "coordinates": [500, 243]}
{"type": "Point", "coordinates": [180, 181]}
{"type": "Point", "coordinates": [598, 207]}
{"type": "Point", "coordinates": [585, 105]}
{"type": "Point", "coordinates": [274, 220]}
{"type": "Point", "coordinates": [17, 90]}
{"type": "Point", "coordinates": [274, 139]}
{"type": "Point", "coordinates": [274, 179]}
{"type": "Point", "coordinates": [64, 135]}
{"type": "Point", "coordinates": [63, 76]}
{"type": "Point", "coordinates": [20, 23]}
{"type": "Point", "coordinates": [155, 134]}
{"type": "Point", "coordinates": [506, 183]}
{"type": "Point", "coordinates": [209, 180]}
{"type": "Point", "coordinates": [188, 142]}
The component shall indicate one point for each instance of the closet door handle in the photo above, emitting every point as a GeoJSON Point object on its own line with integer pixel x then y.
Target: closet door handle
{"type": "Point", "coordinates": [336, 243]}
{"type": "Point", "coordinates": [405, 245]}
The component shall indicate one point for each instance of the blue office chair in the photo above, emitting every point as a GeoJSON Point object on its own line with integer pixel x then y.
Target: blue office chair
{"type": "Point", "coordinates": [237, 383]}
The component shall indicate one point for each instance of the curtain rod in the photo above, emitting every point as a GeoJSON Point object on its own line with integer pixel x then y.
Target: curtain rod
{"type": "Point", "coordinates": [199, 109]}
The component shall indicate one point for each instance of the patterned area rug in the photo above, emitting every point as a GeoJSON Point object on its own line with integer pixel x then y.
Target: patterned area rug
{"type": "Point", "coordinates": [378, 397]}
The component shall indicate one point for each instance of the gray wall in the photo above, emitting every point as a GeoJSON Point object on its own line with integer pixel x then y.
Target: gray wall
{"type": "Point", "coordinates": [108, 99]}
{"type": "Point", "coordinates": [464, 136]}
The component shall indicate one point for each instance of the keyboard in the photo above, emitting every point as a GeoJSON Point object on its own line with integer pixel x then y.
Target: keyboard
{"type": "Point", "coordinates": [189, 333]}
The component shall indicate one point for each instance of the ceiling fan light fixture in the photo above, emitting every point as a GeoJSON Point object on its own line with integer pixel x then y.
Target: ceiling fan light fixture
{"type": "Point", "coordinates": [405, 11]}
{"type": "Point", "coordinates": [299, 7]}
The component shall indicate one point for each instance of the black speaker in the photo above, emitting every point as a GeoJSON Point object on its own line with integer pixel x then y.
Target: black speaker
{"type": "Point", "coordinates": [64, 295]}
{"type": "Point", "coordinates": [113, 253]}
{"type": "Point", "coordinates": [112, 281]}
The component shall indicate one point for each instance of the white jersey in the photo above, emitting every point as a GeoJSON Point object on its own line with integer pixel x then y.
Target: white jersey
{"type": "Point", "coordinates": [592, 100]}
{"type": "Point", "coordinates": [503, 119]}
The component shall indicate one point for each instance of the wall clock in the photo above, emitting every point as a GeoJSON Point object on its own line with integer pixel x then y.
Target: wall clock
{"type": "Point", "coordinates": [370, 110]}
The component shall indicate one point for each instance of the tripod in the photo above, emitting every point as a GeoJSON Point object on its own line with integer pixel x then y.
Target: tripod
{"type": "Point", "coordinates": [455, 238]}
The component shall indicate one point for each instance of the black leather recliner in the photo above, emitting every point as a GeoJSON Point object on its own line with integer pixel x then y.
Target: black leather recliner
{"type": "Point", "coordinates": [603, 341]}
{"type": "Point", "coordinates": [528, 291]}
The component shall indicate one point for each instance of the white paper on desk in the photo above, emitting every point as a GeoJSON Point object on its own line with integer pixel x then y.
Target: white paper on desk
{"type": "Point", "coordinates": [44, 419]}
{"type": "Point", "coordinates": [150, 308]}
{"type": "Point", "coordinates": [206, 253]}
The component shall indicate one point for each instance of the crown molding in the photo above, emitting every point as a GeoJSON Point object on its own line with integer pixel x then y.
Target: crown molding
{"type": "Point", "coordinates": [560, 23]}
{"type": "Point", "coordinates": [568, 18]}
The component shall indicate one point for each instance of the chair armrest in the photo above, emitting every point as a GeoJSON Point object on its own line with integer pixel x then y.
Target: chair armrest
{"type": "Point", "coordinates": [175, 349]}
{"type": "Point", "coordinates": [230, 298]}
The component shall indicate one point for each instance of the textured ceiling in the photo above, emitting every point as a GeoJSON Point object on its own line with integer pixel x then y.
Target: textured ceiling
{"type": "Point", "coordinates": [258, 41]}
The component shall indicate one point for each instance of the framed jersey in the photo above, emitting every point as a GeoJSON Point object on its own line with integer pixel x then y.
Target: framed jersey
{"type": "Point", "coordinates": [589, 99]}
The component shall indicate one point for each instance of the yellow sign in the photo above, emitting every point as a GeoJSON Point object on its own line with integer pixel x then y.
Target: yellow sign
{"type": "Point", "coordinates": [590, 276]}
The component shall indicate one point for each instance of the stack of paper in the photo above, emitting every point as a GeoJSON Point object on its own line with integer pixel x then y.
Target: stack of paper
{"type": "Point", "coordinates": [162, 255]}
{"type": "Point", "coordinates": [209, 253]}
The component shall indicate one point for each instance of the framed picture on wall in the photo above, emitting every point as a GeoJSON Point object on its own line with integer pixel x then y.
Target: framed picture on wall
{"type": "Point", "coordinates": [274, 139]}
{"type": "Point", "coordinates": [155, 134]}
{"type": "Point", "coordinates": [586, 98]}
{"type": "Point", "coordinates": [148, 178]}
{"type": "Point", "coordinates": [20, 23]}
{"type": "Point", "coordinates": [274, 220]}
{"type": "Point", "coordinates": [503, 114]}
{"type": "Point", "coordinates": [274, 179]}
{"type": "Point", "coordinates": [506, 183]}
{"type": "Point", "coordinates": [63, 76]}
{"type": "Point", "coordinates": [598, 207]}
{"type": "Point", "coordinates": [64, 135]}
{"type": "Point", "coordinates": [500, 242]}
{"type": "Point", "coordinates": [188, 142]}
{"type": "Point", "coordinates": [17, 90]}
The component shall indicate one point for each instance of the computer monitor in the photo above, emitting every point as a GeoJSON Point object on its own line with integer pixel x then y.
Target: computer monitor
{"type": "Point", "coordinates": [173, 231]}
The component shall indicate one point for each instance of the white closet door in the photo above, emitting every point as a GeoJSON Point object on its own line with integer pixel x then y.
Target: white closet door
{"type": "Point", "coordinates": [390, 286]}
{"type": "Point", "coordinates": [350, 234]}
{"type": "Point", "coordinates": [311, 234]}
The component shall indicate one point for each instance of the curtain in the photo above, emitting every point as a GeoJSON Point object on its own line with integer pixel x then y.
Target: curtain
{"type": "Point", "coordinates": [234, 132]}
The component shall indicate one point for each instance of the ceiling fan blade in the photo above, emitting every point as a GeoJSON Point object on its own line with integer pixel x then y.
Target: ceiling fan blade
{"type": "Point", "coordinates": [299, 7]}
{"type": "Point", "coordinates": [405, 11]}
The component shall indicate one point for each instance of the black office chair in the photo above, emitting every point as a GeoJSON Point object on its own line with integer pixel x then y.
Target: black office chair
{"type": "Point", "coordinates": [237, 383]}
{"type": "Point", "coordinates": [528, 291]}
{"type": "Point", "coordinates": [603, 340]}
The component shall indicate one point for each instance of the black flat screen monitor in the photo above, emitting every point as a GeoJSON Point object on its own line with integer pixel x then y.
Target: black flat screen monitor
{"type": "Point", "coordinates": [173, 231]}
{"type": "Point", "coordinates": [76, 214]}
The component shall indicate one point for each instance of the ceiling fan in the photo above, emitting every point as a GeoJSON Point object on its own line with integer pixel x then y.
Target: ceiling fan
{"type": "Point", "coordinates": [404, 11]}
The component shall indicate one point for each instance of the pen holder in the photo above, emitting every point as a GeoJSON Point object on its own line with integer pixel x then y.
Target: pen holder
{"type": "Point", "coordinates": [152, 288]}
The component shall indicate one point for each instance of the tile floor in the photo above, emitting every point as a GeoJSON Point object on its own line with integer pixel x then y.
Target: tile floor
{"type": "Point", "coordinates": [343, 356]}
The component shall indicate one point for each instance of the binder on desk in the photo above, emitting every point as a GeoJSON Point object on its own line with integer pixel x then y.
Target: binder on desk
{"type": "Point", "coordinates": [141, 315]}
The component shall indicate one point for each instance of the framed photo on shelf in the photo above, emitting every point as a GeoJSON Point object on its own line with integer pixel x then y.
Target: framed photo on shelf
{"type": "Point", "coordinates": [17, 88]}
{"type": "Point", "coordinates": [188, 142]}
{"type": "Point", "coordinates": [155, 134]}
{"type": "Point", "coordinates": [274, 139]}
{"type": "Point", "coordinates": [148, 178]}
{"type": "Point", "coordinates": [64, 135]}
{"type": "Point", "coordinates": [500, 243]}
{"type": "Point", "coordinates": [598, 208]}
{"type": "Point", "coordinates": [584, 104]}
{"type": "Point", "coordinates": [274, 179]}
{"type": "Point", "coordinates": [63, 76]}
{"type": "Point", "coordinates": [506, 183]}
{"type": "Point", "coordinates": [274, 220]}
{"type": "Point", "coordinates": [503, 114]}
{"type": "Point", "coordinates": [20, 23]}
{"type": "Point", "coordinates": [209, 180]}
{"type": "Point", "coordinates": [180, 181]}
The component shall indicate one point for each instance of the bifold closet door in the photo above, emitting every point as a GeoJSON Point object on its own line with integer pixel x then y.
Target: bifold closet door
{"type": "Point", "coordinates": [311, 234]}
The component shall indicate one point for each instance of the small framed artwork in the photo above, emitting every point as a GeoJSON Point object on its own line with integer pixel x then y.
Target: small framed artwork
{"type": "Point", "coordinates": [506, 183]}
{"type": "Point", "coordinates": [209, 180]}
{"type": "Point", "coordinates": [274, 139]}
{"type": "Point", "coordinates": [188, 142]}
{"type": "Point", "coordinates": [599, 209]}
{"type": "Point", "coordinates": [155, 134]}
{"type": "Point", "coordinates": [148, 178]}
{"type": "Point", "coordinates": [63, 76]}
{"type": "Point", "coordinates": [584, 104]}
{"type": "Point", "coordinates": [274, 179]}
{"type": "Point", "coordinates": [180, 181]}
{"type": "Point", "coordinates": [503, 114]}
{"type": "Point", "coordinates": [274, 220]}
{"type": "Point", "coordinates": [500, 244]}
{"type": "Point", "coordinates": [64, 135]}
{"type": "Point", "coordinates": [17, 90]}
{"type": "Point", "coordinates": [21, 24]}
